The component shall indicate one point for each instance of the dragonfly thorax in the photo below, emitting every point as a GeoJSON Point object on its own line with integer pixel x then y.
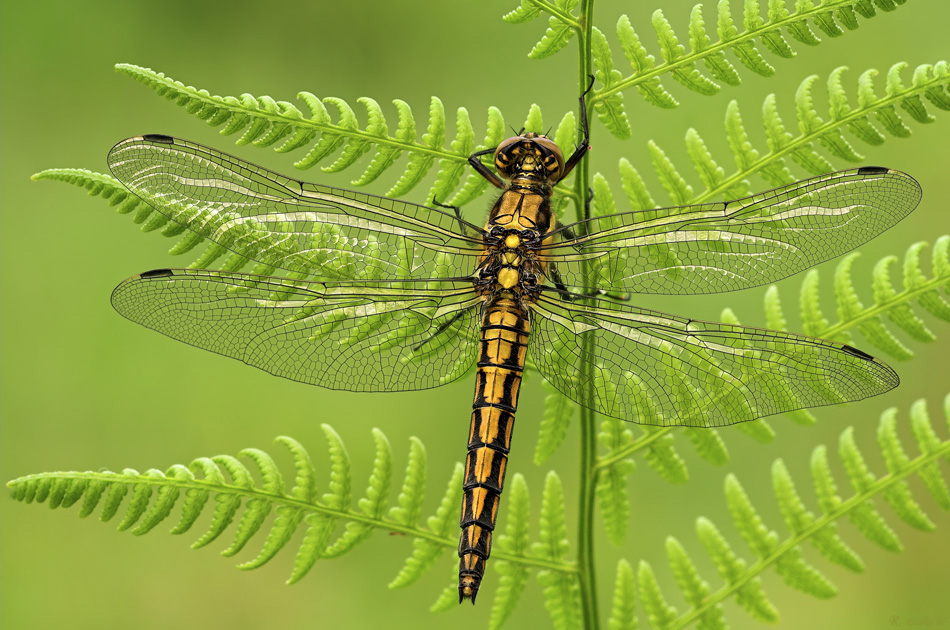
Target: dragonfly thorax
{"type": "Point", "coordinates": [510, 264]}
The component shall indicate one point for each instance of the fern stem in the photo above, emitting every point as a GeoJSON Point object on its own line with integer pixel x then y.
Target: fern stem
{"type": "Point", "coordinates": [687, 61]}
{"type": "Point", "coordinates": [585, 525]}
{"type": "Point", "coordinates": [638, 444]}
{"type": "Point", "coordinates": [588, 426]}
{"type": "Point", "coordinates": [288, 501]}
{"type": "Point", "coordinates": [806, 139]}
{"type": "Point", "coordinates": [562, 16]}
{"type": "Point", "coordinates": [872, 490]}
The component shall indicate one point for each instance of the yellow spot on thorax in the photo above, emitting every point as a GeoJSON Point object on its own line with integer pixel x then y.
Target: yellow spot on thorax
{"type": "Point", "coordinates": [508, 278]}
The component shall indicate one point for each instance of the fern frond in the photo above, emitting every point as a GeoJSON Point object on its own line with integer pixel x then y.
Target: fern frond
{"type": "Point", "coordinates": [265, 122]}
{"type": "Point", "coordinates": [622, 612]}
{"type": "Point", "coordinates": [869, 321]}
{"type": "Point", "coordinates": [658, 443]}
{"type": "Point", "coordinates": [555, 421]}
{"type": "Point", "coordinates": [784, 554]}
{"type": "Point", "coordinates": [659, 612]}
{"type": "Point", "coordinates": [98, 185]}
{"type": "Point", "coordinates": [695, 589]}
{"type": "Point", "coordinates": [153, 495]}
{"type": "Point", "coordinates": [612, 483]}
{"type": "Point", "coordinates": [561, 590]}
{"type": "Point", "coordinates": [426, 552]}
{"type": "Point", "coordinates": [930, 82]}
{"type": "Point", "coordinates": [513, 577]}
{"type": "Point", "coordinates": [661, 456]}
{"type": "Point", "coordinates": [410, 497]}
{"type": "Point", "coordinates": [562, 25]}
{"type": "Point", "coordinates": [681, 64]}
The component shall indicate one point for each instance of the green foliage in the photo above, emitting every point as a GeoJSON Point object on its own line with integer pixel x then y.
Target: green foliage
{"type": "Point", "coordinates": [224, 484]}
{"type": "Point", "coordinates": [265, 122]}
{"type": "Point", "coordinates": [829, 17]}
{"type": "Point", "coordinates": [742, 580]}
{"type": "Point", "coordinates": [680, 63]}
{"type": "Point", "coordinates": [896, 306]}
{"type": "Point", "coordinates": [513, 577]}
{"type": "Point", "coordinates": [622, 613]}
{"type": "Point", "coordinates": [558, 411]}
{"type": "Point", "coordinates": [931, 82]}
{"type": "Point", "coordinates": [657, 443]}
{"type": "Point", "coordinates": [561, 593]}
{"type": "Point", "coordinates": [331, 131]}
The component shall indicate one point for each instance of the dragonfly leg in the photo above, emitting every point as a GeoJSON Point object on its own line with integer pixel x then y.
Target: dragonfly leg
{"type": "Point", "coordinates": [456, 209]}
{"type": "Point", "coordinates": [573, 297]}
{"type": "Point", "coordinates": [584, 146]}
{"type": "Point", "coordinates": [566, 232]}
{"type": "Point", "coordinates": [483, 170]}
{"type": "Point", "coordinates": [438, 331]}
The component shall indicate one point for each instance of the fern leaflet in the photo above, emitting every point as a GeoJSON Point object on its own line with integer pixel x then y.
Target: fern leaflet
{"type": "Point", "coordinates": [930, 82]}
{"type": "Point", "coordinates": [784, 554]}
{"type": "Point", "coordinates": [681, 65]}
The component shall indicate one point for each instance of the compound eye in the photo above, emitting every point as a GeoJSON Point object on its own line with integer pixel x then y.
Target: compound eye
{"type": "Point", "coordinates": [554, 162]}
{"type": "Point", "coordinates": [504, 161]}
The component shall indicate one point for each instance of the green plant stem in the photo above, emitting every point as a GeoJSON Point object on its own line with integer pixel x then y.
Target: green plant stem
{"type": "Point", "coordinates": [588, 427]}
{"type": "Point", "coordinates": [756, 569]}
{"type": "Point", "coordinates": [556, 11]}
{"type": "Point", "coordinates": [868, 313]}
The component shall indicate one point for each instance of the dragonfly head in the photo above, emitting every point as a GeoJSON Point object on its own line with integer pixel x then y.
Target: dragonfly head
{"type": "Point", "coordinates": [530, 154]}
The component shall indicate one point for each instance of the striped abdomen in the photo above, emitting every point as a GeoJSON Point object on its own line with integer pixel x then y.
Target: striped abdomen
{"type": "Point", "coordinates": [504, 344]}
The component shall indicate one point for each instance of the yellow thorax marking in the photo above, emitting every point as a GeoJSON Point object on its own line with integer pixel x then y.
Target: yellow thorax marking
{"type": "Point", "coordinates": [508, 277]}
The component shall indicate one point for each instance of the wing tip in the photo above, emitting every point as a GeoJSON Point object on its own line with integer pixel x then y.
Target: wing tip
{"type": "Point", "coordinates": [857, 353]}
{"type": "Point", "coordinates": [157, 137]}
{"type": "Point", "coordinates": [155, 273]}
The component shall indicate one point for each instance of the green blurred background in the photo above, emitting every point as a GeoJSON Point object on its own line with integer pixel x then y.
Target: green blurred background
{"type": "Point", "coordinates": [84, 389]}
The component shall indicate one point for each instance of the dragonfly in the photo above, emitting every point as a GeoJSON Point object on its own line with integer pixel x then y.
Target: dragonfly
{"type": "Point", "coordinates": [371, 294]}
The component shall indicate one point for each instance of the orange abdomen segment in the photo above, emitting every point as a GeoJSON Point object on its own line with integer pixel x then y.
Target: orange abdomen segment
{"type": "Point", "coordinates": [504, 345]}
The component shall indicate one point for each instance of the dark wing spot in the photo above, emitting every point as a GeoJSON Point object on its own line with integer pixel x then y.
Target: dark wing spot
{"type": "Point", "coordinates": [155, 273]}
{"type": "Point", "coordinates": [856, 352]}
{"type": "Point", "coordinates": [157, 137]}
{"type": "Point", "coordinates": [872, 170]}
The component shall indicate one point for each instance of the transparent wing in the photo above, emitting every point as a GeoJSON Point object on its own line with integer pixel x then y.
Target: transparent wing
{"type": "Point", "coordinates": [653, 368]}
{"type": "Point", "coordinates": [284, 223]}
{"type": "Point", "coordinates": [351, 336]}
{"type": "Point", "coordinates": [716, 247]}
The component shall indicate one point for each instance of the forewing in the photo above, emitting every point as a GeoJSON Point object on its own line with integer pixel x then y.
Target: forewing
{"type": "Point", "coordinates": [653, 368]}
{"type": "Point", "coordinates": [351, 336]}
{"type": "Point", "coordinates": [716, 247]}
{"type": "Point", "coordinates": [284, 223]}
